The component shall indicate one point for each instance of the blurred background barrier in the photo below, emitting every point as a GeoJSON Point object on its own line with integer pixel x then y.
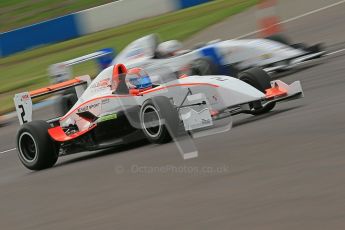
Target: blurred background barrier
{"type": "Point", "coordinates": [48, 32]}
{"type": "Point", "coordinates": [87, 21]}
{"type": "Point", "coordinates": [188, 3]}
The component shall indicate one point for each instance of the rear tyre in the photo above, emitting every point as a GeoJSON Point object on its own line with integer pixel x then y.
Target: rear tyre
{"type": "Point", "coordinates": [66, 102]}
{"type": "Point", "coordinates": [260, 80]}
{"type": "Point", "coordinates": [159, 120]}
{"type": "Point", "coordinates": [204, 66]}
{"type": "Point", "coordinates": [232, 71]}
{"type": "Point", "coordinates": [36, 150]}
{"type": "Point", "coordinates": [316, 48]}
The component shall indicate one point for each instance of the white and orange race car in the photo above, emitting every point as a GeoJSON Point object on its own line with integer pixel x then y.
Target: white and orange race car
{"type": "Point", "coordinates": [109, 111]}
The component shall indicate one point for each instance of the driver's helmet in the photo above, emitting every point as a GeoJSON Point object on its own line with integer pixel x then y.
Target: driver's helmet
{"type": "Point", "coordinates": [169, 48]}
{"type": "Point", "coordinates": [138, 78]}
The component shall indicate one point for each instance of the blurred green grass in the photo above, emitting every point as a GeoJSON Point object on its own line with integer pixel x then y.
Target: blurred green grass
{"type": "Point", "coordinates": [28, 70]}
{"type": "Point", "coordinates": [18, 13]}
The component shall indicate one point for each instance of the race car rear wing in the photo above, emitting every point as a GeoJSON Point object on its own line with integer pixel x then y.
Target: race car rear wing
{"type": "Point", "coordinates": [23, 101]}
{"type": "Point", "coordinates": [88, 57]}
{"type": "Point", "coordinates": [62, 71]}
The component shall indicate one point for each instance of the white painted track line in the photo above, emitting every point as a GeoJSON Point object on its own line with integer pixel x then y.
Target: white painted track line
{"type": "Point", "coordinates": [335, 52]}
{"type": "Point", "coordinates": [9, 150]}
{"type": "Point", "coordinates": [295, 18]}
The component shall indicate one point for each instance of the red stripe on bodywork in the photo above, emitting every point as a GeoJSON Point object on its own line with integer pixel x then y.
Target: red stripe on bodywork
{"type": "Point", "coordinates": [141, 93]}
{"type": "Point", "coordinates": [175, 85]}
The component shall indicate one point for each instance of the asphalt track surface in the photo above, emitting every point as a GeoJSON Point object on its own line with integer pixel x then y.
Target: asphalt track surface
{"type": "Point", "coordinates": [282, 170]}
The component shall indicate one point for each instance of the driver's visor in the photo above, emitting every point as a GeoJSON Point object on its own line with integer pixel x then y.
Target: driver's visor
{"type": "Point", "coordinates": [141, 82]}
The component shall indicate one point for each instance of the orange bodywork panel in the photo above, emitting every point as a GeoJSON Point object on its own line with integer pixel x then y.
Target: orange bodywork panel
{"type": "Point", "coordinates": [275, 92]}
{"type": "Point", "coordinates": [54, 87]}
{"type": "Point", "coordinates": [59, 135]}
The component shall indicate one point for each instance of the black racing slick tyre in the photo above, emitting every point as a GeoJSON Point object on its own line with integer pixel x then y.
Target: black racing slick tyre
{"type": "Point", "coordinates": [257, 78]}
{"type": "Point", "coordinates": [315, 48]}
{"type": "Point", "coordinates": [66, 102]}
{"type": "Point", "coordinates": [159, 120]}
{"type": "Point", "coordinates": [260, 80]}
{"type": "Point", "coordinates": [36, 150]}
{"type": "Point", "coordinates": [204, 66]}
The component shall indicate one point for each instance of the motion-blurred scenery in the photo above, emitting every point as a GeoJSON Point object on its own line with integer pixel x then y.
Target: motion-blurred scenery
{"type": "Point", "coordinates": [172, 114]}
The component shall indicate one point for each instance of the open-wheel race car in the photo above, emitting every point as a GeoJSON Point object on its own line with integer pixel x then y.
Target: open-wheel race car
{"type": "Point", "coordinates": [229, 57]}
{"type": "Point", "coordinates": [123, 105]}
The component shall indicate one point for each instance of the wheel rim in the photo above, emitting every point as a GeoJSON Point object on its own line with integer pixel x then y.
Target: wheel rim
{"type": "Point", "coordinates": [151, 121]}
{"type": "Point", "coordinates": [27, 147]}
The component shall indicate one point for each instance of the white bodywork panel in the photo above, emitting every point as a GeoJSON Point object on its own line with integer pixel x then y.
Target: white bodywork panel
{"type": "Point", "coordinates": [256, 52]}
{"type": "Point", "coordinates": [198, 116]}
{"type": "Point", "coordinates": [23, 104]}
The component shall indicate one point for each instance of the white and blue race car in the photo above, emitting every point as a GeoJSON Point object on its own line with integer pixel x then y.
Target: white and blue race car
{"type": "Point", "coordinates": [217, 57]}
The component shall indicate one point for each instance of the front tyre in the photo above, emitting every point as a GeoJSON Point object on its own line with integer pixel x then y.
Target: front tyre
{"type": "Point", "coordinates": [36, 150]}
{"type": "Point", "coordinates": [203, 67]}
{"type": "Point", "coordinates": [260, 80]}
{"type": "Point", "coordinates": [159, 120]}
